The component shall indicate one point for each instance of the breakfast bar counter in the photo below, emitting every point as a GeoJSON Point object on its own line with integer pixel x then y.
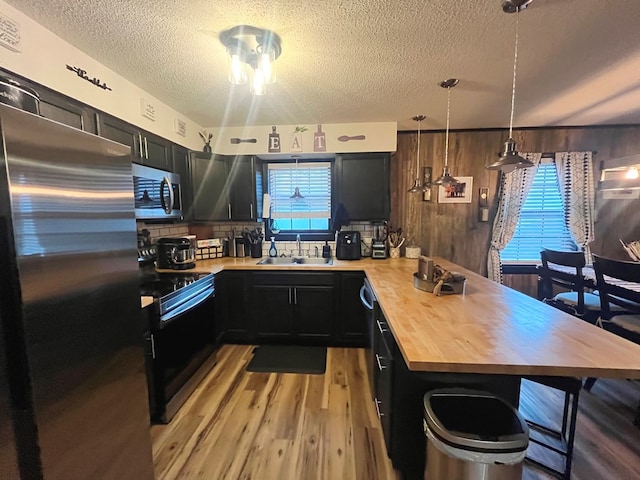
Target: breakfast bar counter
{"type": "Point", "coordinates": [490, 329]}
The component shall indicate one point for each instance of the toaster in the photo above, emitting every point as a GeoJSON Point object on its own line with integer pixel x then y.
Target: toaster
{"type": "Point", "coordinates": [348, 246]}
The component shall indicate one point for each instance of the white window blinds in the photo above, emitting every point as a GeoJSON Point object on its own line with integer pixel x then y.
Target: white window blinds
{"type": "Point", "coordinates": [541, 222]}
{"type": "Point", "coordinates": [314, 183]}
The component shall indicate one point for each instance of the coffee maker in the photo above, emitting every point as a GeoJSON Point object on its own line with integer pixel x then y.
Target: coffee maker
{"type": "Point", "coordinates": [379, 242]}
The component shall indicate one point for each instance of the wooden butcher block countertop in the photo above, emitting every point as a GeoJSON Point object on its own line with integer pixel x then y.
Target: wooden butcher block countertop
{"type": "Point", "coordinates": [489, 329]}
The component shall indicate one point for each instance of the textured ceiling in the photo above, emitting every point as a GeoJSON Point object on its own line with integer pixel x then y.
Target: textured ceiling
{"type": "Point", "coordinates": [368, 61]}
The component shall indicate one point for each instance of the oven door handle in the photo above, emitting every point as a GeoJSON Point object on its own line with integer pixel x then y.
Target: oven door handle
{"type": "Point", "coordinates": [188, 305]}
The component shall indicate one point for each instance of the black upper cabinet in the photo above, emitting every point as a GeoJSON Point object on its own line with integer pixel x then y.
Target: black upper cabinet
{"type": "Point", "coordinates": [362, 185]}
{"type": "Point", "coordinates": [181, 167]}
{"type": "Point", "coordinates": [210, 200]}
{"type": "Point", "coordinates": [56, 107]}
{"type": "Point", "coordinates": [224, 187]}
{"type": "Point", "coordinates": [242, 187]}
{"type": "Point", "coordinates": [146, 148]}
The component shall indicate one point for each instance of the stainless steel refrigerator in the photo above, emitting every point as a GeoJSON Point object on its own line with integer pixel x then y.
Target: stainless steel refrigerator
{"type": "Point", "coordinates": [73, 394]}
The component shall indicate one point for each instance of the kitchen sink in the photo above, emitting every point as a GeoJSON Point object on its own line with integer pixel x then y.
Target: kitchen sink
{"type": "Point", "coordinates": [295, 261]}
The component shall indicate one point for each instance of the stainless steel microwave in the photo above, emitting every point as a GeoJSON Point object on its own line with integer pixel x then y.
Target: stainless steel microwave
{"type": "Point", "coordinates": [157, 194]}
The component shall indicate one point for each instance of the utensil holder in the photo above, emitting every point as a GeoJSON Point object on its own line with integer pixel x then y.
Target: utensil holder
{"type": "Point", "coordinates": [256, 250]}
{"type": "Point", "coordinates": [394, 252]}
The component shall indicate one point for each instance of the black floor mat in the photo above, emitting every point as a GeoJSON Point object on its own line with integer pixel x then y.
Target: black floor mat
{"type": "Point", "coordinates": [288, 359]}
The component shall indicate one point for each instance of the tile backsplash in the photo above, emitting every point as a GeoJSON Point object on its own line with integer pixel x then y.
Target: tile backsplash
{"type": "Point", "coordinates": [222, 230]}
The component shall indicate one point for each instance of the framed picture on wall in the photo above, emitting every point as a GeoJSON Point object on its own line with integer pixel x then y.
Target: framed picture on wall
{"type": "Point", "coordinates": [460, 193]}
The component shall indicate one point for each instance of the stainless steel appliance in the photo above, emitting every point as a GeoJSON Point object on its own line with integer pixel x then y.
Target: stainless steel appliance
{"type": "Point", "coordinates": [157, 194]}
{"type": "Point", "coordinates": [348, 246]}
{"type": "Point", "coordinates": [73, 395]}
{"type": "Point", "coordinates": [176, 253]}
{"type": "Point", "coordinates": [179, 332]}
{"type": "Point", "coordinates": [379, 243]}
{"type": "Point", "coordinates": [370, 303]}
{"type": "Point", "coordinates": [17, 95]}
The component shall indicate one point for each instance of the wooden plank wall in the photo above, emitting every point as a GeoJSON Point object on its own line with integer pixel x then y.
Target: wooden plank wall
{"type": "Point", "coordinates": [453, 231]}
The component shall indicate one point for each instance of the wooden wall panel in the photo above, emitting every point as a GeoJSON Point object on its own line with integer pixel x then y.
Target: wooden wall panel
{"type": "Point", "coordinates": [453, 231]}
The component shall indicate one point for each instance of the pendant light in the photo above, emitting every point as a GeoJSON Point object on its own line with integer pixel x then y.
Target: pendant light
{"type": "Point", "coordinates": [296, 191]}
{"type": "Point", "coordinates": [417, 186]}
{"type": "Point", "coordinates": [446, 180]}
{"type": "Point", "coordinates": [509, 158]}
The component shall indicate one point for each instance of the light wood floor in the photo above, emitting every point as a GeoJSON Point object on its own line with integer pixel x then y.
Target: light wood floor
{"type": "Point", "coordinates": [243, 425]}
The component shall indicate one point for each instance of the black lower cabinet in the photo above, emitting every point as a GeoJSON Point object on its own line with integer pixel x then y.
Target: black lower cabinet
{"type": "Point", "coordinates": [399, 395]}
{"type": "Point", "coordinates": [293, 307]}
{"type": "Point", "coordinates": [351, 321]}
{"type": "Point", "coordinates": [232, 294]}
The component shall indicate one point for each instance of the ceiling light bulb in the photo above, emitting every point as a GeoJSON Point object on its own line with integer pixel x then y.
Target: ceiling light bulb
{"type": "Point", "coordinates": [632, 173]}
{"type": "Point", "coordinates": [237, 73]}
{"type": "Point", "coordinates": [258, 84]}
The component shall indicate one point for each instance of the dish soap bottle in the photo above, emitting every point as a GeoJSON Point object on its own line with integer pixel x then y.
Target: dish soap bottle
{"type": "Point", "coordinates": [273, 251]}
{"type": "Point", "coordinates": [326, 250]}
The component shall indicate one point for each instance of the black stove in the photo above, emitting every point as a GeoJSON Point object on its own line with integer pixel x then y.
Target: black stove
{"type": "Point", "coordinates": [175, 292]}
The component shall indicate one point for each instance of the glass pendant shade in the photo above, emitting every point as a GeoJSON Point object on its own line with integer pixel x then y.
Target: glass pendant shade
{"type": "Point", "coordinates": [237, 73]}
{"type": "Point", "coordinates": [445, 180]}
{"type": "Point", "coordinates": [258, 84]}
{"type": "Point", "coordinates": [265, 64]}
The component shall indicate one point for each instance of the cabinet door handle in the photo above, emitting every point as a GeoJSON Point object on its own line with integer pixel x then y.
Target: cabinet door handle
{"type": "Point", "coordinates": [381, 328]}
{"type": "Point", "coordinates": [251, 207]}
{"type": "Point", "coordinates": [378, 402]}
{"type": "Point", "coordinates": [289, 295]}
{"type": "Point", "coordinates": [140, 154]}
{"type": "Point", "coordinates": [380, 366]}
{"type": "Point", "coordinates": [295, 296]}
{"type": "Point", "coordinates": [146, 149]}
{"type": "Point", "coordinates": [229, 211]}
{"type": "Point", "coordinates": [153, 347]}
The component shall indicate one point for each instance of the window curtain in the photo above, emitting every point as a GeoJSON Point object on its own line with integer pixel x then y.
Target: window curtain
{"type": "Point", "coordinates": [575, 177]}
{"type": "Point", "coordinates": [514, 187]}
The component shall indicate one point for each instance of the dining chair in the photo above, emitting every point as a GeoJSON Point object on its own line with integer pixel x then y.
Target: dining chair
{"type": "Point", "coordinates": [618, 283]}
{"type": "Point", "coordinates": [564, 269]}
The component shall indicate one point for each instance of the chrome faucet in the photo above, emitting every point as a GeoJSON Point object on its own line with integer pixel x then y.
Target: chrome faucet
{"type": "Point", "coordinates": [316, 247]}
{"type": "Point", "coordinates": [299, 245]}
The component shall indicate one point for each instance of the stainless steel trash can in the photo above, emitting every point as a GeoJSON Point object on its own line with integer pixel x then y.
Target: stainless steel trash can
{"type": "Point", "coordinates": [473, 435]}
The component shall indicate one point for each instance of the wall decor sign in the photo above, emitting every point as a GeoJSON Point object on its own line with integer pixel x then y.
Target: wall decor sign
{"type": "Point", "coordinates": [10, 33]}
{"type": "Point", "coordinates": [296, 139]}
{"type": "Point", "coordinates": [460, 193]}
{"type": "Point", "coordinates": [180, 127]}
{"type": "Point", "coordinates": [274, 141]}
{"type": "Point", "coordinates": [83, 74]}
{"type": "Point", "coordinates": [347, 138]}
{"type": "Point", "coordinates": [319, 140]}
{"type": "Point", "coordinates": [147, 109]}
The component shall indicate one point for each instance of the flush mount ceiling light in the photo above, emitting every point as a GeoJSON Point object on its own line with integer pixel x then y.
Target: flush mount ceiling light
{"type": "Point", "coordinates": [509, 159]}
{"type": "Point", "coordinates": [256, 47]}
{"type": "Point", "coordinates": [417, 186]}
{"type": "Point", "coordinates": [446, 180]}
